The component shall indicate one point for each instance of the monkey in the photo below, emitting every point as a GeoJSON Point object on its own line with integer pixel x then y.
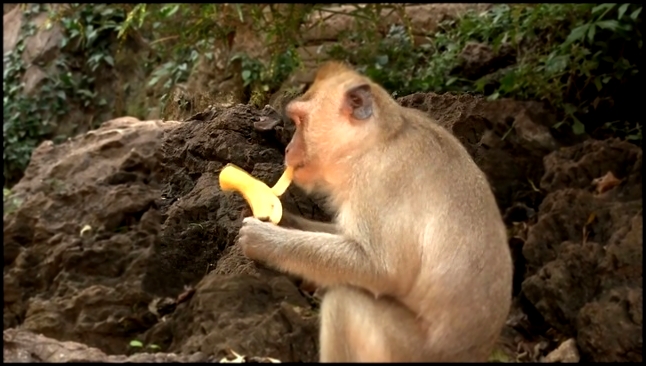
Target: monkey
{"type": "Point", "coordinates": [416, 264]}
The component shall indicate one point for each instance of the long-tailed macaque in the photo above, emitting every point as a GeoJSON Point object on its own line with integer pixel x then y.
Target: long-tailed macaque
{"type": "Point", "coordinates": [416, 265]}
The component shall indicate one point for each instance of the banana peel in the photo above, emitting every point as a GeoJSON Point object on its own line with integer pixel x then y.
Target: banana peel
{"type": "Point", "coordinates": [263, 200]}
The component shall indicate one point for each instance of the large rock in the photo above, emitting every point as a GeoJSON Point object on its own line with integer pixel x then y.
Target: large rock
{"type": "Point", "coordinates": [77, 241]}
{"type": "Point", "coordinates": [40, 48]}
{"type": "Point", "coordinates": [126, 273]}
{"type": "Point", "coordinates": [11, 26]}
{"type": "Point", "coordinates": [24, 346]}
{"type": "Point", "coordinates": [506, 138]}
{"type": "Point", "coordinates": [584, 255]}
{"type": "Point", "coordinates": [231, 307]}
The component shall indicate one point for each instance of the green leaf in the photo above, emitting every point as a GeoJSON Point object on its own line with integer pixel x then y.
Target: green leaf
{"type": "Point", "coordinates": [153, 80]}
{"type": "Point", "coordinates": [569, 108]}
{"type": "Point", "coordinates": [622, 10]}
{"type": "Point", "coordinates": [109, 60]}
{"type": "Point", "coordinates": [635, 13]}
{"type": "Point", "coordinates": [597, 83]}
{"type": "Point", "coordinates": [136, 343]}
{"type": "Point", "coordinates": [578, 128]}
{"type": "Point", "coordinates": [382, 60]}
{"type": "Point", "coordinates": [600, 7]}
{"type": "Point", "coordinates": [557, 64]}
{"type": "Point", "coordinates": [577, 34]}
{"type": "Point", "coordinates": [246, 74]}
{"type": "Point", "coordinates": [451, 80]}
{"type": "Point", "coordinates": [608, 24]}
{"type": "Point", "coordinates": [591, 32]}
{"type": "Point", "coordinates": [172, 11]}
{"type": "Point", "coordinates": [494, 96]}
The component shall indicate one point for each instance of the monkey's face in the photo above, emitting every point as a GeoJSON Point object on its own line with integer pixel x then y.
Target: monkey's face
{"type": "Point", "coordinates": [333, 125]}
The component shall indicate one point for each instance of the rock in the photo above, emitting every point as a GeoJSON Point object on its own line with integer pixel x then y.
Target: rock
{"type": "Point", "coordinates": [248, 315]}
{"type": "Point", "coordinates": [24, 346]}
{"type": "Point", "coordinates": [32, 79]}
{"type": "Point", "coordinates": [237, 303]}
{"type": "Point", "coordinates": [512, 166]}
{"type": "Point", "coordinates": [44, 45]}
{"type": "Point", "coordinates": [202, 222]}
{"type": "Point", "coordinates": [11, 26]}
{"type": "Point", "coordinates": [584, 254]}
{"type": "Point", "coordinates": [566, 352]}
{"type": "Point", "coordinates": [85, 289]}
{"type": "Point", "coordinates": [313, 55]}
{"type": "Point", "coordinates": [479, 59]}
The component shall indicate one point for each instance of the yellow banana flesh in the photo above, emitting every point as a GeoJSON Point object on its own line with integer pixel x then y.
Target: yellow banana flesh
{"type": "Point", "coordinates": [262, 199]}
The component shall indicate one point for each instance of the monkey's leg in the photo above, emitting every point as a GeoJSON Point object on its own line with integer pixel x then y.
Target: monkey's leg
{"type": "Point", "coordinates": [290, 220]}
{"type": "Point", "coordinates": [357, 327]}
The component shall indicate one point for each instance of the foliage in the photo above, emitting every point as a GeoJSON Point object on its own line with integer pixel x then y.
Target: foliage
{"type": "Point", "coordinates": [10, 201]}
{"type": "Point", "coordinates": [30, 118]}
{"type": "Point", "coordinates": [577, 57]}
{"type": "Point", "coordinates": [574, 56]}
{"type": "Point", "coordinates": [25, 120]}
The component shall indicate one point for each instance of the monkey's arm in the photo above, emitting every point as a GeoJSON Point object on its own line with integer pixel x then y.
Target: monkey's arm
{"type": "Point", "coordinates": [323, 258]}
{"type": "Point", "coordinates": [292, 221]}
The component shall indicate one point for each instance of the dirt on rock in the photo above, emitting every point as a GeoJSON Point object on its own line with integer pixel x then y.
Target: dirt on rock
{"type": "Point", "coordinates": [159, 263]}
{"type": "Point", "coordinates": [584, 255]}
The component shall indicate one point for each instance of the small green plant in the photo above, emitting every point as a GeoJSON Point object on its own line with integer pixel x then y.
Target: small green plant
{"type": "Point", "coordinates": [262, 79]}
{"type": "Point", "coordinates": [138, 346]}
{"type": "Point", "coordinates": [10, 201]}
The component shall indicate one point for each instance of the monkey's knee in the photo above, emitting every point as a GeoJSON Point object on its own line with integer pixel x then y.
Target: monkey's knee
{"type": "Point", "coordinates": [352, 329]}
{"type": "Point", "coordinates": [333, 344]}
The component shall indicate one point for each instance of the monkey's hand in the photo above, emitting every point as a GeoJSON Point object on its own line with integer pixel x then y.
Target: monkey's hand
{"type": "Point", "coordinates": [323, 258]}
{"type": "Point", "coordinates": [257, 238]}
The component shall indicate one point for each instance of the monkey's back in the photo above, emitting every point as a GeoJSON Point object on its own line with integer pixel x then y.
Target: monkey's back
{"type": "Point", "coordinates": [463, 289]}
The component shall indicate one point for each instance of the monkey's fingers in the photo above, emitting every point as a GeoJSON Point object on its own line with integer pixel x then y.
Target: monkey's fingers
{"type": "Point", "coordinates": [262, 200]}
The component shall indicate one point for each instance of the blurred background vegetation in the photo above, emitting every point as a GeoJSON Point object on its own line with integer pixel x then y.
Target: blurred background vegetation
{"type": "Point", "coordinates": [583, 60]}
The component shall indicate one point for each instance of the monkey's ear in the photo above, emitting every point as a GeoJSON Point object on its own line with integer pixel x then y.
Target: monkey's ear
{"type": "Point", "coordinates": [359, 101]}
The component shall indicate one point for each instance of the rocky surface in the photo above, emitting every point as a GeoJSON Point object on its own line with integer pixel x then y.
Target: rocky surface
{"type": "Point", "coordinates": [24, 346]}
{"type": "Point", "coordinates": [158, 262]}
{"type": "Point", "coordinates": [584, 255]}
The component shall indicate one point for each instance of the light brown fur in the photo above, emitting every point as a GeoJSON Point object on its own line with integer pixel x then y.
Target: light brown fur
{"type": "Point", "coordinates": [416, 264]}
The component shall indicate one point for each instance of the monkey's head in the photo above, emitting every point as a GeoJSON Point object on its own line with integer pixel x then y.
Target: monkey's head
{"type": "Point", "coordinates": [337, 120]}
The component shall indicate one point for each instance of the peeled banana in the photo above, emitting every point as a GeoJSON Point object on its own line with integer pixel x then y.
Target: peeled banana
{"type": "Point", "coordinates": [262, 199]}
